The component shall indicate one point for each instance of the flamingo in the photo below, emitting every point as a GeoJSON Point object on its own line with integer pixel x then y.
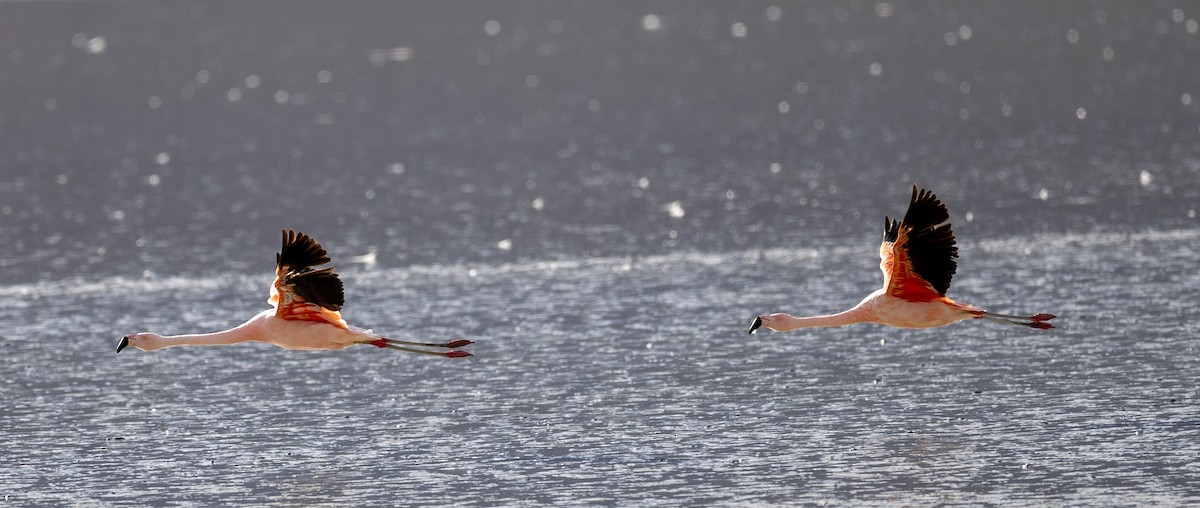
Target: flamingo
{"type": "Point", "coordinates": [306, 312]}
{"type": "Point", "coordinates": [917, 259]}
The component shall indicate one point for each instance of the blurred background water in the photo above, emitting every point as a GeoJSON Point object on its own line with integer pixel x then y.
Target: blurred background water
{"type": "Point", "coordinates": [602, 195]}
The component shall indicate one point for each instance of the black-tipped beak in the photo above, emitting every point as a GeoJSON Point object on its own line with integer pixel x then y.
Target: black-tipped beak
{"type": "Point", "coordinates": [753, 326]}
{"type": "Point", "coordinates": [121, 345]}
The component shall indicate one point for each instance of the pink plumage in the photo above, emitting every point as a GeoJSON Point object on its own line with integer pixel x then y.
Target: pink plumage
{"type": "Point", "coordinates": [917, 258]}
{"type": "Point", "coordinates": [306, 312]}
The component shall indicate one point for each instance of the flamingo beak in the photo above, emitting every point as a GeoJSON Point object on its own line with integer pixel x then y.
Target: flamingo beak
{"type": "Point", "coordinates": [754, 326]}
{"type": "Point", "coordinates": [121, 345]}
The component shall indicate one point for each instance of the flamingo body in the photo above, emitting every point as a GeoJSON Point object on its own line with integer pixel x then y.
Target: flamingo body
{"type": "Point", "coordinates": [265, 327]}
{"type": "Point", "coordinates": [306, 313]}
{"type": "Point", "coordinates": [917, 258]}
{"type": "Point", "coordinates": [901, 313]}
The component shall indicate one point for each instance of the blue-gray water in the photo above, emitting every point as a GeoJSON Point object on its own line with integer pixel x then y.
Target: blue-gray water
{"type": "Point", "coordinates": [601, 196]}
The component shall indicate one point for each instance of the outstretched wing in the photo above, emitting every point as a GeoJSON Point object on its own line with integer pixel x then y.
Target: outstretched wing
{"type": "Point", "coordinates": [917, 254]}
{"type": "Point", "coordinates": [300, 291]}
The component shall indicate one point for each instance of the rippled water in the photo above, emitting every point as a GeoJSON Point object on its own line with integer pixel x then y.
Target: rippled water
{"type": "Point", "coordinates": [602, 197]}
{"type": "Point", "coordinates": [622, 379]}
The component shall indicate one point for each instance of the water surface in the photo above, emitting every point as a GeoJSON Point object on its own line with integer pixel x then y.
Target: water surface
{"type": "Point", "coordinates": [602, 197]}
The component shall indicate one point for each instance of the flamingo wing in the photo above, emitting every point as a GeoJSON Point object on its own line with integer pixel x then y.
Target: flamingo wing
{"type": "Point", "coordinates": [917, 254]}
{"type": "Point", "coordinates": [300, 291]}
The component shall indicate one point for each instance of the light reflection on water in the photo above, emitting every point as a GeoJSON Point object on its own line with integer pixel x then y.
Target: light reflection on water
{"type": "Point", "coordinates": [602, 197]}
{"type": "Point", "coordinates": [623, 379]}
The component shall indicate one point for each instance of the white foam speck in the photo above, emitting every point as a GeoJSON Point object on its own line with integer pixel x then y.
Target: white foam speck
{"type": "Point", "coordinates": [674, 209]}
{"type": "Point", "coordinates": [651, 22]}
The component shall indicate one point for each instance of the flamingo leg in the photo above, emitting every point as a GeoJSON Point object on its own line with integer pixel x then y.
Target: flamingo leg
{"type": "Point", "coordinates": [1035, 317]}
{"type": "Point", "coordinates": [448, 354]}
{"type": "Point", "coordinates": [1035, 321]}
{"type": "Point", "coordinates": [454, 353]}
{"type": "Point", "coordinates": [450, 345]}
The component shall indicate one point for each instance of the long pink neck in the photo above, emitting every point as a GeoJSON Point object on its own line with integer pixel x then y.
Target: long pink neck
{"type": "Point", "coordinates": [849, 317]}
{"type": "Point", "coordinates": [232, 336]}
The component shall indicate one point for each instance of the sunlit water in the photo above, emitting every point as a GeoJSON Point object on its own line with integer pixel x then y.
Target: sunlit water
{"type": "Point", "coordinates": [624, 379]}
{"type": "Point", "coordinates": [602, 196]}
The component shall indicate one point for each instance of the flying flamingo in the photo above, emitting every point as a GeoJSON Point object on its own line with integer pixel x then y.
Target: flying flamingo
{"type": "Point", "coordinates": [917, 259]}
{"type": "Point", "coordinates": [307, 302]}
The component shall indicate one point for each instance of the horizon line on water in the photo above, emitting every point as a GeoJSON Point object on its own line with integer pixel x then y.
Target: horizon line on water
{"type": "Point", "coordinates": [80, 284]}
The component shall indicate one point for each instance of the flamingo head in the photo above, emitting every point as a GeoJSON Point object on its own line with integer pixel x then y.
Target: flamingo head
{"type": "Point", "coordinates": [770, 321]}
{"type": "Point", "coordinates": [144, 341]}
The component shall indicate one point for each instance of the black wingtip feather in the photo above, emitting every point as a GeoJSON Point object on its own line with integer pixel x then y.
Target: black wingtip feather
{"type": "Point", "coordinates": [925, 210]}
{"type": "Point", "coordinates": [300, 251]}
{"type": "Point", "coordinates": [322, 287]}
{"type": "Point", "coordinates": [931, 244]}
{"type": "Point", "coordinates": [891, 229]}
{"type": "Point", "coordinates": [296, 259]}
